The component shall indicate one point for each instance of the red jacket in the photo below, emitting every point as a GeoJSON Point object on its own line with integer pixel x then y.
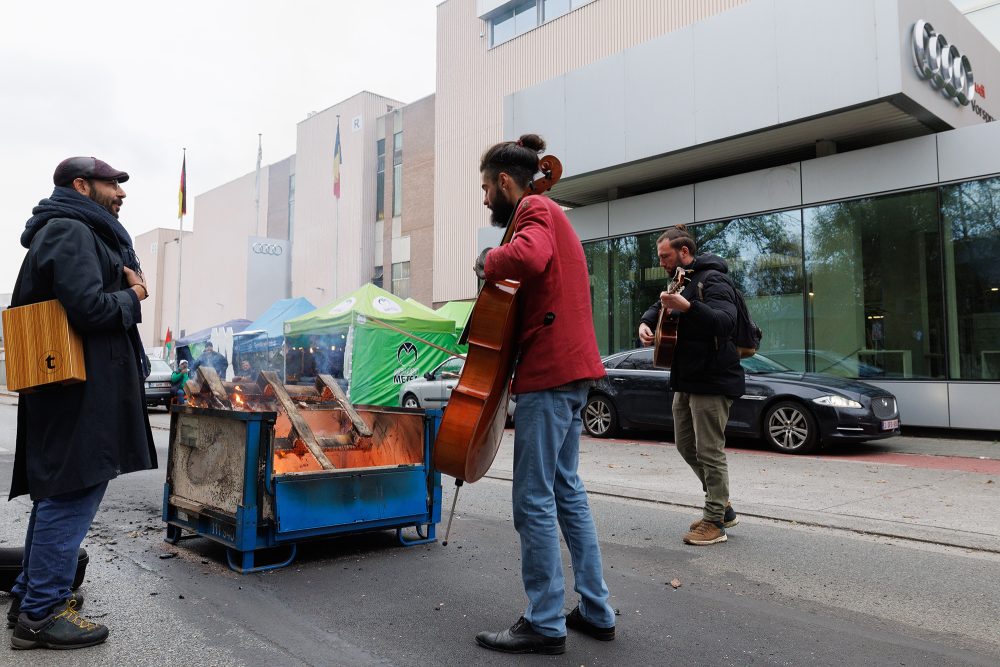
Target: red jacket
{"type": "Point", "coordinates": [546, 256]}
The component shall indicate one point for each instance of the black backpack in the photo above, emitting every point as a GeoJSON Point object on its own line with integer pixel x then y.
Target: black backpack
{"type": "Point", "coordinates": [747, 335]}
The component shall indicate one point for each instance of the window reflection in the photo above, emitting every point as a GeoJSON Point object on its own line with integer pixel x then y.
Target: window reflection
{"type": "Point", "coordinates": [971, 213]}
{"type": "Point", "coordinates": [875, 287]}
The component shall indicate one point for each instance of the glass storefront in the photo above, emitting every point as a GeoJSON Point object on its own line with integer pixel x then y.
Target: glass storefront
{"type": "Point", "coordinates": [901, 286]}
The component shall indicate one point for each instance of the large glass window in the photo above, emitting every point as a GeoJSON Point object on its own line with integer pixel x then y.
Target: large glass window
{"type": "Point", "coordinates": [971, 213]}
{"type": "Point", "coordinates": [874, 286]}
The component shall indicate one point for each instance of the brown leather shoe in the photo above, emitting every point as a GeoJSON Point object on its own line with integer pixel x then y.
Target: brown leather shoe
{"type": "Point", "coordinates": [521, 638]}
{"type": "Point", "coordinates": [706, 533]}
{"type": "Point", "coordinates": [576, 621]}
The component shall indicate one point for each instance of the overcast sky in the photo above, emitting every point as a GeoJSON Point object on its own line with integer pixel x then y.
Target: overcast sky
{"type": "Point", "coordinates": [133, 83]}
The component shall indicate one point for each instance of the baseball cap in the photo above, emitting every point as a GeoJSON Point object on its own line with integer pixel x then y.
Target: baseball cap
{"type": "Point", "coordinates": [86, 167]}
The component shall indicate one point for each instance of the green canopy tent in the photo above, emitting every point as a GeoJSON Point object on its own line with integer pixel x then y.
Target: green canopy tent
{"type": "Point", "coordinates": [378, 356]}
{"type": "Point", "coordinates": [458, 311]}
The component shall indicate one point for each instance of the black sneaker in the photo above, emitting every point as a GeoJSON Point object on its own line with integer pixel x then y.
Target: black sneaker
{"type": "Point", "coordinates": [576, 621]}
{"type": "Point", "coordinates": [730, 518]}
{"type": "Point", "coordinates": [521, 638]}
{"type": "Point", "coordinates": [15, 607]}
{"type": "Point", "coordinates": [64, 628]}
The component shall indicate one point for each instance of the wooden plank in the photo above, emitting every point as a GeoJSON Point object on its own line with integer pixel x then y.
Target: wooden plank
{"type": "Point", "coordinates": [209, 376]}
{"type": "Point", "coordinates": [299, 425]}
{"type": "Point", "coordinates": [329, 382]}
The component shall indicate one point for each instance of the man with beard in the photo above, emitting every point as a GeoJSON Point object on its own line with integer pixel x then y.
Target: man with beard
{"type": "Point", "coordinates": [558, 361]}
{"type": "Point", "coordinates": [705, 376]}
{"type": "Point", "coordinates": [73, 439]}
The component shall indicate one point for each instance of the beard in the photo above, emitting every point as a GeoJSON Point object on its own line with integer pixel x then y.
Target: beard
{"type": "Point", "coordinates": [109, 203]}
{"type": "Point", "coordinates": [501, 212]}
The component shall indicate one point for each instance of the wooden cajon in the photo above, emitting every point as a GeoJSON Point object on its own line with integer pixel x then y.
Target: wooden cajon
{"type": "Point", "coordinates": [41, 347]}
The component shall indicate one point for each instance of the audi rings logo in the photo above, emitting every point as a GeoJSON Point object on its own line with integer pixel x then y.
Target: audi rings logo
{"type": "Point", "coordinates": [942, 64]}
{"type": "Point", "coordinates": [267, 249]}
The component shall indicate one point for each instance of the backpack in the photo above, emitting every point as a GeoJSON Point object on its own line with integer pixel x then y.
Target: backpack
{"type": "Point", "coordinates": [747, 335]}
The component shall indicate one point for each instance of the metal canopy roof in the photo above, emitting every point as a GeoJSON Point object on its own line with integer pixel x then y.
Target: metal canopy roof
{"type": "Point", "coordinates": [880, 122]}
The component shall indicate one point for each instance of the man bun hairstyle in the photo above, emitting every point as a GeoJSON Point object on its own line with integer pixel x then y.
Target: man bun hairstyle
{"type": "Point", "coordinates": [679, 237]}
{"type": "Point", "coordinates": [518, 158]}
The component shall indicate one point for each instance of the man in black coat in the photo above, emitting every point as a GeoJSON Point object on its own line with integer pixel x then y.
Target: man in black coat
{"type": "Point", "coordinates": [706, 374]}
{"type": "Point", "coordinates": [72, 439]}
{"type": "Point", "coordinates": [209, 357]}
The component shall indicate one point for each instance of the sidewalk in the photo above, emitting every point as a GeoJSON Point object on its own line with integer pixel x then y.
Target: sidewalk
{"type": "Point", "coordinates": [936, 499]}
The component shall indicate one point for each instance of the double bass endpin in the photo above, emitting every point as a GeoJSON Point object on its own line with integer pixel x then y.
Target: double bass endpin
{"type": "Point", "coordinates": [454, 501]}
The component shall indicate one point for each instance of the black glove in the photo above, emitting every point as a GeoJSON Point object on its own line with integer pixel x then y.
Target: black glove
{"type": "Point", "coordinates": [480, 266]}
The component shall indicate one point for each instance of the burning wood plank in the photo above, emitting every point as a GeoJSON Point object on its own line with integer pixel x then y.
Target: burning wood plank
{"type": "Point", "coordinates": [272, 384]}
{"type": "Point", "coordinates": [325, 383]}
{"type": "Point", "coordinates": [209, 376]}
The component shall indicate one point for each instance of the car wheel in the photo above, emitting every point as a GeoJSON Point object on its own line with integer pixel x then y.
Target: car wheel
{"type": "Point", "coordinates": [599, 417]}
{"type": "Point", "coordinates": [410, 401]}
{"type": "Point", "coordinates": [788, 427]}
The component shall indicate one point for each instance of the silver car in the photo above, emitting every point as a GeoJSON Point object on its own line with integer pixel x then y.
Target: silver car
{"type": "Point", "coordinates": [434, 389]}
{"type": "Point", "coordinates": [158, 383]}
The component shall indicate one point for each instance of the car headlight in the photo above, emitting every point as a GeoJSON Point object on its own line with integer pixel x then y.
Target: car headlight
{"type": "Point", "coordinates": [837, 402]}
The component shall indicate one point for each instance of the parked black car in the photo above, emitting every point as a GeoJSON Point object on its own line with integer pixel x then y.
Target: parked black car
{"type": "Point", "coordinates": [793, 412]}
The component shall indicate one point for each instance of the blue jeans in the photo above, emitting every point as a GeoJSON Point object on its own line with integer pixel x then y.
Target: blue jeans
{"type": "Point", "coordinates": [56, 529]}
{"type": "Point", "coordinates": [548, 490]}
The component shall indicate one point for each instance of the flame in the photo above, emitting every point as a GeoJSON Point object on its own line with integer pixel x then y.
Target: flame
{"type": "Point", "coordinates": [237, 399]}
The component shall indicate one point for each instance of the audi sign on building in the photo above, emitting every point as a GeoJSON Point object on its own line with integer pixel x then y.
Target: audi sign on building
{"type": "Point", "coordinates": [942, 64]}
{"type": "Point", "coordinates": [267, 273]}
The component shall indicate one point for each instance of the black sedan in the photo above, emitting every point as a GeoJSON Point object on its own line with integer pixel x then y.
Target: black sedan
{"type": "Point", "coordinates": [793, 412]}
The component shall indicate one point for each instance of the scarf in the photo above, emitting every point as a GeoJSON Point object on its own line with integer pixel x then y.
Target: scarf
{"type": "Point", "coordinates": [68, 203]}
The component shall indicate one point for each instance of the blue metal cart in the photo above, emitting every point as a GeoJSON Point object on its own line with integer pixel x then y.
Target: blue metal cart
{"type": "Point", "coordinates": [222, 483]}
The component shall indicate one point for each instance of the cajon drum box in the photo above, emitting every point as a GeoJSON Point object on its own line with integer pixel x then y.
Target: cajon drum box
{"type": "Point", "coordinates": [41, 347]}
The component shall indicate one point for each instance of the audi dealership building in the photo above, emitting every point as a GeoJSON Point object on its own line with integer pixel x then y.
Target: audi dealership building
{"type": "Point", "coordinates": [838, 153]}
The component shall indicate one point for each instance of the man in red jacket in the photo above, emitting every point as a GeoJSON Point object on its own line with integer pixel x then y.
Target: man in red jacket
{"type": "Point", "coordinates": [558, 361]}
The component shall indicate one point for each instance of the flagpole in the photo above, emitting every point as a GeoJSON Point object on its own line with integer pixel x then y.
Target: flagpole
{"type": "Point", "coordinates": [182, 209]}
{"type": "Point", "coordinates": [336, 263]}
{"type": "Point", "coordinates": [256, 231]}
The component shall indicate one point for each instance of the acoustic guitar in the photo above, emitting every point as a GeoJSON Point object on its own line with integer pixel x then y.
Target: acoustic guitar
{"type": "Point", "coordinates": [665, 336]}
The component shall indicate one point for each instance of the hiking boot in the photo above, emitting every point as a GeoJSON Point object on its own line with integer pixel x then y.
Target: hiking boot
{"type": "Point", "coordinates": [521, 638]}
{"type": "Point", "coordinates": [15, 607]}
{"type": "Point", "coordinates": [706, 533]}
{"type": "Point", "coordinates": [64, 628]}
{"type": "Point", "coordinates": [729, 519]}
{"type": "Point", "coordinates": [576, 621]}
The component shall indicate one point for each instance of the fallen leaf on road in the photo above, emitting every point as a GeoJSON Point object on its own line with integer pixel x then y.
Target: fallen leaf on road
{"type": "Point", "coordinates": [989, 481]}
{"type": "Point", "coordinates": [675, 583]}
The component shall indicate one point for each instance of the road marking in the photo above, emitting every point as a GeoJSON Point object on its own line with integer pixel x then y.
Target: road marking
{"type": "Point", "coordinates": [3, 450]}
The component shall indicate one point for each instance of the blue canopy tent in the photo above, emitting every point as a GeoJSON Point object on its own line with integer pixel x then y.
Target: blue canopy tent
{"type": "Point", "coordinates": [261, 344]}
{"type": "Point", "coordinates": [267, 331]}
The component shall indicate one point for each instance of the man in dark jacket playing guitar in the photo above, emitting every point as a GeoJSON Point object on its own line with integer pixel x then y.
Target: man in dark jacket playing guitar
{"type": "Point", "coordinates": [706, 374]}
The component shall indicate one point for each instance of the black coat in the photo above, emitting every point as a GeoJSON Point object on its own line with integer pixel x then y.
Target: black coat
{"type": "Point", "coordinates": [705, 356]}
{"type": "Point", "coordinates": [71, 437]}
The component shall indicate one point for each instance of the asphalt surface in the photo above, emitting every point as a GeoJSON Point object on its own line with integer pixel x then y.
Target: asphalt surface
{"type": "Point", "coordinates": [780, 591]}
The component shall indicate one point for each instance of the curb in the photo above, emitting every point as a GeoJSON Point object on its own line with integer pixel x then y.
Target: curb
{"type": "Point", "coordinates": [847, 523]}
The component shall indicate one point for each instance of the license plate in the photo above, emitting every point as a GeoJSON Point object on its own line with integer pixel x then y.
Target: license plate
{"type": "Point", "coordinates": [157, 385]}
{"type": "Point", "coordinates": [890, 424]}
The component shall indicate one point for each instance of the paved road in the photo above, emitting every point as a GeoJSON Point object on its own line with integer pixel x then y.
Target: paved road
{"type": "Point", "coordinates": [777, 593]}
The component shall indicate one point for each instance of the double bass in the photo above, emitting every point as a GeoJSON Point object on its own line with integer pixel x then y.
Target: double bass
{"type": "Point", "coordinates": [472, 426]}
